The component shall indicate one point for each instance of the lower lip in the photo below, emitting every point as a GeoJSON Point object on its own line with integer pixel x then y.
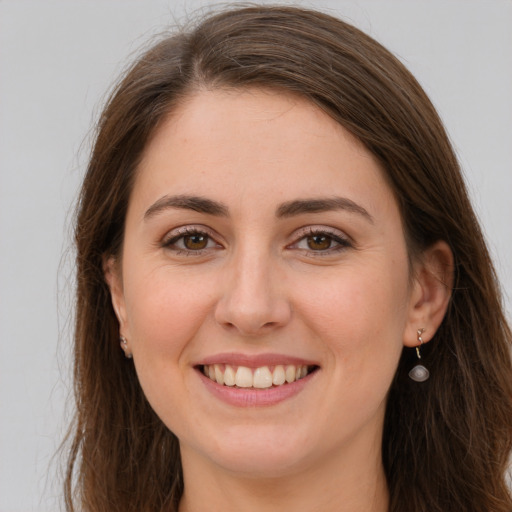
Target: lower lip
{"type": "Point", "coordinates": [250, 397]}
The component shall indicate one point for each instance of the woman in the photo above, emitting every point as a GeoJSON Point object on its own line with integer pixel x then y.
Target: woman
{"type": "Point", "coordinates": [274, 229]}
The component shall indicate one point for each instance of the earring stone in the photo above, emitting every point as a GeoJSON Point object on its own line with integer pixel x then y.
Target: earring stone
{"type": "Point", "coordinates": [124, 346]}
{"type": "Point", "coordinates": [419, 373]}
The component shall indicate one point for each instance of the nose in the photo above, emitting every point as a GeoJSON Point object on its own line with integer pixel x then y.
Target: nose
{"type": "Point", "coordinates": [253, 301]}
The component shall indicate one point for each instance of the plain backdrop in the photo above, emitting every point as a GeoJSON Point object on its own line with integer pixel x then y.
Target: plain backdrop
{"type": "Point", "coordinates": [57, 60]}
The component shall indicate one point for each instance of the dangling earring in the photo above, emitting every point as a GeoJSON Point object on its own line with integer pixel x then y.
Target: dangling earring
{"type": "Point", "coordinates": [419, 373]}
{"type": "Point", "coordinates": [124, 346]}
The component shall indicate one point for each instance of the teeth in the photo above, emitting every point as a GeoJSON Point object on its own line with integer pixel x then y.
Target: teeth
{"type": "Point", "coordinates": [219, 376]}
{"type": "Point", "coordinates": [278, 377]}
{"type": "Point", "coordinates": [229, 376]}
{"type": "Point", "coordinates": [243, 377]}
{"type": "Point", "coordinates": [260, 378]}
{"type": "Point", "coordinates": [290, 373]}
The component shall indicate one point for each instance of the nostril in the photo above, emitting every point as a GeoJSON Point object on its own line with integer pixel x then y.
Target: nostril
{"type": "Point", "coordinates": [250, 311]}
{"type": "Point", "coordinates": [247, 327]}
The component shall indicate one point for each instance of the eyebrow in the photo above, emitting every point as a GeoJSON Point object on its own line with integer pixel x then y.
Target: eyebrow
{"type": "Point", "coordinates": [317, 205]}
{"type": "Point", "coordinates": [195, 203]}
{"type": "Point", "coordinates": [285, 210]}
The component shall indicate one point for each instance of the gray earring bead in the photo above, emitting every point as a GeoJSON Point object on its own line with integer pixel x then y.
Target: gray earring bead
{"type": "Point", "coordinates": [419, 373]}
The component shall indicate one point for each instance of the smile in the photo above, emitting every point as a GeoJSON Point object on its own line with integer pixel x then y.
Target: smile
{"type": "Point", "coordinates": [263, 377]}
{"type": "Point", "coordinates": [256, 380]}
{"type": "Point", "coordinates": [259, 378]}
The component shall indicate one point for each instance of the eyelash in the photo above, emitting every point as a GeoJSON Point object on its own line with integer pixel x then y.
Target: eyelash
{"type": "Point", "coordinates": [190, 231]}
{"type": "Point", "coordinates": [333, 237]}
{"type": "Point", "coordinates": [341, 242]}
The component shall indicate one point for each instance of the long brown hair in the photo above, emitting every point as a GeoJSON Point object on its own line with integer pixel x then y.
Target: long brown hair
{"type": "Point", "coordinates": [446, 442]}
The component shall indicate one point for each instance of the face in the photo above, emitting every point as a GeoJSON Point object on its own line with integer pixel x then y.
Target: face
{"type": "Point", "coordinates": [264, 249]}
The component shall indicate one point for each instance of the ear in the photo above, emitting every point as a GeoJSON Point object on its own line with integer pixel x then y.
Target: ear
{"type": "Point", "coordinates": [113, 277]}
{"type": "Point", "coordinates": [430, 294]}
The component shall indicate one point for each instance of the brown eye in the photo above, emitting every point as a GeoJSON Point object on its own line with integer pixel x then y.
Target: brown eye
{"type": "Point", "coordinates": [190, 241]}
{"type": "Point", "coordinates": [195, 242]}
{"type": "Point", "coordinates": [319, 242]}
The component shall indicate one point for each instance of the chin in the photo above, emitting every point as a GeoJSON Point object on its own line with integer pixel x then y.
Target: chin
{"type": "Point", "coordinates": [255, 464]}
{"type": "Point", "coordinates": [263, 453]}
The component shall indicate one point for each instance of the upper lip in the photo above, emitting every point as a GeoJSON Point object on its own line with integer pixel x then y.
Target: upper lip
{"type": "Point", "coordinates": [254, 361]}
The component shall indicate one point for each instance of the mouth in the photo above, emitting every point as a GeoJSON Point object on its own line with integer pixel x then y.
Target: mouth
{"type": "Point", "coordinates": [263, 377]}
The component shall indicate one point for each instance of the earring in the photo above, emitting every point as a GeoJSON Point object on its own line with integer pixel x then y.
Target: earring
{"type": "Point", "coordinates": [419, 373]}
{"type": "Point", "coordinates": [124, 346]}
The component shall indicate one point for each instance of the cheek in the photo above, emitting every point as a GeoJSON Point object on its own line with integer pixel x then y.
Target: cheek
{"type": "Point", "coordinates": [164, 312]}
{"type": "Point", "coordinates": [360, 314]}
{"type": "Point", "coordinates": [355, 298]}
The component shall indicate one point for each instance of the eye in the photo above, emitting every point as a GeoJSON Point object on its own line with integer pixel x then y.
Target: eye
{"type": "Point", "coordinates": [195, 242]}
{"type": "Point", "coordinates": [189, 240]}
{"type": "Point", "coordinates": [321, 240]}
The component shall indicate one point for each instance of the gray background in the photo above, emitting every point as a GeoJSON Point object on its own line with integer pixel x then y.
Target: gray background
{"type": "Point", "coordinates": [57, 59]}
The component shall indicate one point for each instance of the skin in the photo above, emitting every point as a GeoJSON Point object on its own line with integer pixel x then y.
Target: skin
{"type": "Point", "coordinates": [264, 285]}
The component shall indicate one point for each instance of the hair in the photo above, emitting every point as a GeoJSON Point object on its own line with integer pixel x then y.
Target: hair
{"type": "Point", "coordinates": [446, 442]}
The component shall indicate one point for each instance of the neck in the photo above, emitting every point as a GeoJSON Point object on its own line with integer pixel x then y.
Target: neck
{"type": "Point", "coordinates": [353, 486]}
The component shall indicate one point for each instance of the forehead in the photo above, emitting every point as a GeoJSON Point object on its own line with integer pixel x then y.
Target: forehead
{"type": "Point", "coordinates": [209, 116]}
{"type": "Point", "coordinates": [243, 143]}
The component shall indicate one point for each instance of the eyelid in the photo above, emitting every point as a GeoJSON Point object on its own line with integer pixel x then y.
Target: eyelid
{"type": "Point", "coordinates": [175, 234]}
{"type": "Point", "coordinates": [317, 229]}
{"type": "Point", "coordinates": [342, 240]}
